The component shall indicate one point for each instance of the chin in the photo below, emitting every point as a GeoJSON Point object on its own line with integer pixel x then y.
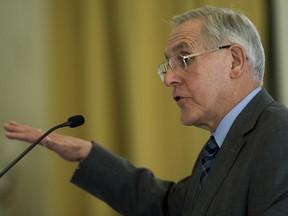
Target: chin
{"type": "Point", "coordinates": [187, 121]}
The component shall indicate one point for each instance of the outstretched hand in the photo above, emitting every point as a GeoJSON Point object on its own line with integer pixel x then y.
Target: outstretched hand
{"type": "Point", "coordinates": [68, 147]}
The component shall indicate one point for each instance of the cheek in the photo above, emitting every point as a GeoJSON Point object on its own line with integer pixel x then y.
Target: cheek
{"type": "Point", "coordinates": [216, 77]}
{"type": "Point", "coordinates": [202, 84]}
{"type": "Point", "coordinates": [206, 90]}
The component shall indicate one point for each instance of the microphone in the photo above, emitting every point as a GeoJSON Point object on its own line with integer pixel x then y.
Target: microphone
{"type": "Point", "coordinates": [76, 121]}
{"type": "Point", "coordinates": [73, 121]}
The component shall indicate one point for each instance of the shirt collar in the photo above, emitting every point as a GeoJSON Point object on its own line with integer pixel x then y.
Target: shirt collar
{"type": "Point", "coordinates": [226, 123]}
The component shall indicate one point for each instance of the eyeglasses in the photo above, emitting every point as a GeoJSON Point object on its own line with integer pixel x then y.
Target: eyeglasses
{"type": "Point", "coordinates": [181, 61]}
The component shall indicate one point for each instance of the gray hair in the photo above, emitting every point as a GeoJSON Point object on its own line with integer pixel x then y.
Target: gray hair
{"type": "Point", "coordinates": [223, 25]}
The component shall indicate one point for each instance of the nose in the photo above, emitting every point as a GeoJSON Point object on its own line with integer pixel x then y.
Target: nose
{"type": "Point", "coordinates": [171, 78]}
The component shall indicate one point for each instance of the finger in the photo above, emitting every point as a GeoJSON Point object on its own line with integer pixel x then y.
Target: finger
{"type": "Point", "coordinates": [13, 122]}
{"type": "Point", "coordinates": [22, 136]}
{"type": "Point", "coordinates": [28, 135]}
{"type": "Point", "coordinates": [13, 126]}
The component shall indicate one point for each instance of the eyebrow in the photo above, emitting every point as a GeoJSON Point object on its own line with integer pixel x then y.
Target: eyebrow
{"type": "Point", "coordinates": [177, 48]}
{"type": "Point", "coordinates": [180, 46]}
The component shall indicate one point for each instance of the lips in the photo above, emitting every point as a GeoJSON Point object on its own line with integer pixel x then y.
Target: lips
{"type": "Point", "coordinates": [178, 98]}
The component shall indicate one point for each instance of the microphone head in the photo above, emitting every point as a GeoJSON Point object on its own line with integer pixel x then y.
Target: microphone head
{"type": "Point", "coordinates": [75, 121]}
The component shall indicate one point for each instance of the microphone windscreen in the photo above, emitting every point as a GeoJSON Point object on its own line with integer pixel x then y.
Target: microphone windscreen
{"type": "Point", "coordinates": [76, 121]}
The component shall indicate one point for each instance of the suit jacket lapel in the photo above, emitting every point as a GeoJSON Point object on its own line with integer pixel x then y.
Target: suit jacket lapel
{"type": "Point", "coordinates": [229, 152]}
{"type": "Point", "coordinates": [221, 167]}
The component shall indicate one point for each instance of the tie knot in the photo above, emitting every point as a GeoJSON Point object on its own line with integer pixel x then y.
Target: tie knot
{"type": "Point", "coordinates": [211, 148]}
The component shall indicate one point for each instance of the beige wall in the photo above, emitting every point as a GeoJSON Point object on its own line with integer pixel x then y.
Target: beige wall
{"type": "Point", "coordinates": [281, 44]}
{"type": "Point", "coordinates": [23, 93]}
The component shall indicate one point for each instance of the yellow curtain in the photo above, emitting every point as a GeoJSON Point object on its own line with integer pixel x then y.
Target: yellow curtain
{"type": "Point", "coordinates": [102, 63]}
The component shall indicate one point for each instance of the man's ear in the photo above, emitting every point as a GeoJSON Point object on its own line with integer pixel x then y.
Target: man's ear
{"type": "Point", "coordinates": [238, 61]}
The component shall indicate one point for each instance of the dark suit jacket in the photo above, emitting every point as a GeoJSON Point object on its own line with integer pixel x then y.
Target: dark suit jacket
{"type": "Point", "coordinates": [249, 175]}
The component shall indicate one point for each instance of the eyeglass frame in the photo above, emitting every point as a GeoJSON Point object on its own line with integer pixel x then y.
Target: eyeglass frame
{"type": "Point", "coordinates": [167, 64]}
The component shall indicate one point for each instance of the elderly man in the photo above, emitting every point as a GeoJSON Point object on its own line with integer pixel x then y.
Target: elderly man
{"type": "Point", "coordinates": [215, 65]}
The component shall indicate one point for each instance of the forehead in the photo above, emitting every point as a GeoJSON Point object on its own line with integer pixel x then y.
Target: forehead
{"type": "Point", "coordinates": [185, 36]}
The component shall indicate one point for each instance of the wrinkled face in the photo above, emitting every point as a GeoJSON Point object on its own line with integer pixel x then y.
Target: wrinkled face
{"type": "Point", "coordinates": [202, 90]}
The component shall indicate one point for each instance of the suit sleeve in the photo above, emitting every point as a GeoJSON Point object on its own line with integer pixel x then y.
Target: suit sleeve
{"type": "Point", "coordinates": [127, 189]}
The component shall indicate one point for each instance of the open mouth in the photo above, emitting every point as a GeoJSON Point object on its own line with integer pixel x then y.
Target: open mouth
{"type": "Point", "coordinates": [177, 98]}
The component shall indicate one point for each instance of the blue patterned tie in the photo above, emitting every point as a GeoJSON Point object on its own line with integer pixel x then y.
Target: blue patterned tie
{"type": "Point", "coordinates": [209, 153]}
